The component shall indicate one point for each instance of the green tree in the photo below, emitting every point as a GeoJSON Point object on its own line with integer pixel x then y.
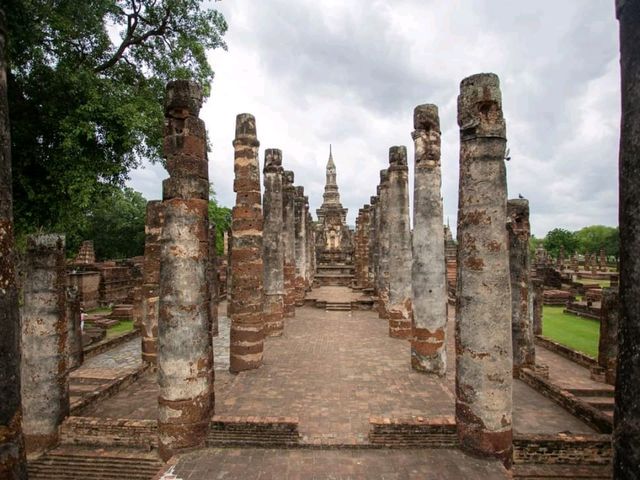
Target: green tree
{"type": "Point", "coordinates": [557, 238]}
{"type": "Point", "coordinates": [115, 223]}
{"type": "Point", "coordinates": [86, 82]}
{"type": "Point", "coordinates": [533, 244]}
{"type": "Point", "coordinates": [220, 217]}
{"type": "Point", "coordinates": [591, 239]}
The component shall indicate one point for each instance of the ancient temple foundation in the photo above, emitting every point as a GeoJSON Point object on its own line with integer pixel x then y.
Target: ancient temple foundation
{"type": "Point", "coordinates": [399, 309]}
{"type": "Point", "coordinates": [428, 276]}
{"type": "Point", "coordinates": [524, 350]}
{"type": "Point", "coordinates": [273, 243]}
{"type": "Point", "coordinates": [185, 352]}
{"type": "Point", "coordinates": [247, 320]}
{"type": "Point", "coordinates": [483, 328]}
{"type": "Point", "coordinates": [45, 390]}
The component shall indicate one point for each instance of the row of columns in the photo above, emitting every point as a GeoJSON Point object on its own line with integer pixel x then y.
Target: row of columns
{"type": "Point", "coordinates": [493, 284]}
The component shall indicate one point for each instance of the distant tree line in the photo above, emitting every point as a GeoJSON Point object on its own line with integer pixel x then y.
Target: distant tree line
{"type": "Point", "coordinates": [587, 240]}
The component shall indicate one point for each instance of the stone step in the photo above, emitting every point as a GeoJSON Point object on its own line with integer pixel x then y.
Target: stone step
{"type": "Point", "coordinates": [338, 307]}
{"type": "Point", "coordinates": [96, 465]}
{"type": "Point", "coordinates": [550, 471]}
{"type": "Point", "coordinates": [606, 404]}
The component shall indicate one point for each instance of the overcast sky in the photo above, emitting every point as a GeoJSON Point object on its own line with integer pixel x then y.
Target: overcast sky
{"type": "Point", "coordinates": [349, 73]}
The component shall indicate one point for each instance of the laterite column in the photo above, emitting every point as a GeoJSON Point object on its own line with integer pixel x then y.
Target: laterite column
{"type": "Point", "coordinates": [399, 245]}
{"type": "Point", "coordinates": [483, 300]}
{"type": "Point", "coordinates": [185, 351]}
{"type": "Point", "coordinates": [151, 282]}
{"type": "Point", "coordinates": [273, 244]}
{"type": "Point", "coordinates": [383, 246]}
{"type": "Point", "coordinates": [12, 456]}
{"type": "Point", "coordinates": [428, 275]}
{"type": "Point", "coordinates": [247, 295]}
{"type": "Point", "coordinates": [524, 350]}
{"type": "Point", "coordinates": [45, 390]}
{"type": "Point", "coordinates": [289, 241]}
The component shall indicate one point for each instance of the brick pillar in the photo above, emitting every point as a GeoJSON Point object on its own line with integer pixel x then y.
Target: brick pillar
{"type": "Point", "coordinates": [212, 279]}
{"type": "Point", "coordinates": [626, 432]}
{"type": "Point", "coordinates": [609, 325]}
{"type": "Point", "coordinates": [428, 275]}
{"type": "Point", "coordinates": [247, 296]}
{"type": "Point", "coordinates": [45, 390]}
{"type": "Point", "coordinates": [383, 246]}
{"type": "Point", "coordinates": [75, 352]}
{"type": "Point", "coordinates": [12, 461]}
{"type": "Point", "coordinates": [310, 251]}
{"type": "Point", "coordinates": [151, 283]}
{"type": "Point", "coordinates": [273, 244]}
{"type": "Point", "coordinates": [300, 212]}
{"type": "Point", "coordinates": [185, 351]}
{"type": "Point", "coordinates": [524, 350]}
{"type": "Point", "coordinates": [373, 243]}
{"type": "Point", "coordinates": [538, 298]}
{"type": "Point", "coordinates": [483, 300]}
{"type": "Point", "coordinates": [399, 227]}
{"type": "Point", "coordinates": [289, 241]}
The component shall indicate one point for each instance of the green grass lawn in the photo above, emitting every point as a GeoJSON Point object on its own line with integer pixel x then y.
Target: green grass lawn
{"type": "Point", "coordinates": [579, 333]}
{"type": "Point", "coordinates": [99, 311]}
{"type": "Point", "coordinates": [589, 281]}
{"type": "Point", "coordinates": [122, 327]}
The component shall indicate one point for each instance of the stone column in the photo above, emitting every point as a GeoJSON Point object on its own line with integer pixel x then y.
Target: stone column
{"type": "Point", "coordinates": [12, 459]}
{"type": "Point", "coordinates": [300, 242]}
{"type": "Point", "coordinates": [273, 244]}
{"type": "Point", "coordinates": [185, 351]}
{"type": "Point", "coordinates": [626, 433]}
{"type": "Point", "coordinates": [310, 251]}
{"type": "Point", "coordinates": [524, 350]}
{"type": "Point", "coordinates": [428, 275]}
{"type": "Point", "coordinates": [483, 300]}
{"type": "Point", "coordinates": [383, 246]}
{"type": "Point", "coordinates": [538, 303]}
{"type": "Point", "coordinates": [45, 390]}
{"type": "Point", "coordinates": [151, 282]}
{"type": "Point", "coordinates": [609, 326]}
{"type": "Point", "coordinates": [289, 243]}
{"type": "Point", "coordinates": [373, 243]}
{"type": "Point", "coordinates": [247, 296]}
{"type": "Point", "coordinates": [399, 227]}
{"type": "Point", "coordinates": [75, 353]}
{"type": "Point", "coordinates": [212, 279]}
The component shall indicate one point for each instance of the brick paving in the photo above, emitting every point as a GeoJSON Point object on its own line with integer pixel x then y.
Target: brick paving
{"type": "Point", "coordinates": [266, 464]}
{"type": "Point", "coordinates": [127, 355]}
{"type": "Point", "coordinates": [565, 373]}
{"type": "Point", "coordinates": [333, 370]}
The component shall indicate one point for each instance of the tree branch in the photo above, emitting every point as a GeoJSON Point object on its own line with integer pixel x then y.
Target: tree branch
{"type": "Point", "coordinates": [131, 38]}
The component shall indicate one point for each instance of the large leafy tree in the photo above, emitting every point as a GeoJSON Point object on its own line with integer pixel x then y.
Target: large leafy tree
{"type": "Point", "coordinates": [115, 223]}
{"type": "Point", "coordinates": [219, 216]}
{"type": "Point", "coordinates": [558, 238]}
{"type": "Point", "coordinates": [591, 239]}
{"type": "Point", "coordinates": [86, 83]}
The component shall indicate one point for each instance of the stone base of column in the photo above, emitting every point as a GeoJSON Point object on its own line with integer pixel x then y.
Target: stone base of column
{"type": "Point", "coordinates": [289, 290]}
{"type": "Point", "coordinates": [247, 344]}
{"type": "Point", "coordinates": [36, 444]}
{"type": "Point", "coordinates": [382, 305]}
{"type": "Point", "coordinates": [400, 321]}
{"type": "Point", "coordinates": [428, 353]}
{"type": "Point", "coordinates": [476, 440]}
{"type": "Point", "coordinates": [273, 315]}
{"type": "Point", "coordinates": [300, 291]}
{"type": "Point", "coordinates": [172, 437]}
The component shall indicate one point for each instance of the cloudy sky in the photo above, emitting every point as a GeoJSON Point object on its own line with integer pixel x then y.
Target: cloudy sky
{"type": "Point", "coordinates": [349, 73]}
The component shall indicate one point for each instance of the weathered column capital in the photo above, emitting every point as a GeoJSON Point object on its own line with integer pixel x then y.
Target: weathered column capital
{"type": "Point", "coordinates": [246, 131]}
{"type": "Point", "coordinates": [426, 136]}
{"type": "Point", "coordinates": [183, 98]}
{"type": "Point", "coordinates": [480, 108]}
{"type": "Point", "coordinates": [398, 158]}
{"type": "Point", "coordinates": [273, 161]}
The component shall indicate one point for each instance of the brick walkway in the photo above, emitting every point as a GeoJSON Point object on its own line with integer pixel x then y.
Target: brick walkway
{"type": "Point", "coordinates": [334, 370]}
{"type": "Point", "coordinates": [264, 464]}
